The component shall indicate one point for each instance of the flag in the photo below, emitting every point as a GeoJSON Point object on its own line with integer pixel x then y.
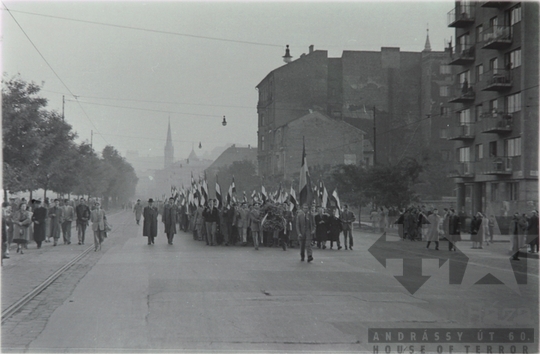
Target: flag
{"type": "Point", "coordinates": [192, 180]}
{"type": "Point", "coordinates": [335, 197]}
{"type": "Point", "coordinates": [263, 220]}
{"type": "Point", "coordinates": [263, 194]}
{"type": "Point", "coordinates": [204, 190]}
{"type": "Point", "coordinates": [324, 198]}
{"type": "Point", "coordinates": [306, 193]}
{"type": "Point", "coordinates": [233, 186]}
{"type": "Point", "coordinates": [229, 195]}
{"type": "Point", "coordinates": [278, 195]}
{"type": "Point", "coordinates": [245, 197]}
{"type": "Point", "coordinates": [253, 195]}
{"type": "Point", "coordinates": [292, 199]}
{"type": "Point", "coordinates": [218, 193]}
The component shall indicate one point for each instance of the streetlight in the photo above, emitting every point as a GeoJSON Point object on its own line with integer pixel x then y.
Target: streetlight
{"type": "Point", "coordinates": [287, 58]}
{"type": "Point", "coordinates": [224, 123]}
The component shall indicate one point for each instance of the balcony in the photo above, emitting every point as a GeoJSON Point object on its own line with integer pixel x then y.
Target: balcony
{"type": "Point", "coordinates": [496, 37]}
{"type": "Point", "coordinates": [494, 4]}
{"type": "Point", "coordinates": [461, 132]}
{"type": "Point", "coordinates": [462, 55]}
{"type": "Point", "coordinates": [464, 94]}
{"type": "Point", "coordinates": [495, 123]}
{"type": "Point", "coordinates": [495, 166]}
{"type": "Point", "coordinates": [461, 16]}
{"type": "Point", "coordinates": [496, 80]}
{"type": "Point", "coordinates": [462, 170]}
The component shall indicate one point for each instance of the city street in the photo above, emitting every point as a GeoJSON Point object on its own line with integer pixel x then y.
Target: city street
{"type": "Point", "coordinates": [189, 297]}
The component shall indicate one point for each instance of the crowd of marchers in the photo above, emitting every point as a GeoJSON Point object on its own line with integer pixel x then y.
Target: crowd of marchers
{"type": "Point", "coordinates": [50, 221]}
{"type": "Point", "coordinates": [418, 223]}
{"type": "Point", "coordinates": [256, 224]}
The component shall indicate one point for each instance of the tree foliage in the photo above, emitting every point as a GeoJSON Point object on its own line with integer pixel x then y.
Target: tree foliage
{"type": "Point", "coordinates": [39, 151]}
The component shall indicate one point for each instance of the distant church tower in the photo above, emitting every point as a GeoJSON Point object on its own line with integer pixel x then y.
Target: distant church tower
{"type": "Point", "coordinates": [169, 148]}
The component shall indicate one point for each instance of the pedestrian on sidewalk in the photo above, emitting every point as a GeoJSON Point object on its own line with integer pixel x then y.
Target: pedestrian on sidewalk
{"type": "Point", "coordinates": [150, 223]}
{"type": "Point", "coordinates": [83, 215]}
{"type": "Point", "coordinates": [477, 231]}
{"type": "Point", "coordinates": [454, 227]}
{"type": "Point", "coordinates": [55, 215]}
{"type": "Point", "coordinates": [533, 232]}
{"type": "Point", "coordinates": [347, 219]}
{"type": "Point", "coordinates": [305, 227]}
{"type": "Point", "coordinates": [39, 216]}
{"type": "Point", "coordinates": [98, 218]}
{"type": "Point", "coordinates": [22, 227]}
{"type": "Point", "coordinates": [137, 209]}
{"type": "Point", "coordinates": [169, 219]}
{"type": "Point", "coordinates": [6, 214]}
{"type": "Point", "coordinates": [433, 229]}
{"type": "Point", "coordinates": [69, 215]}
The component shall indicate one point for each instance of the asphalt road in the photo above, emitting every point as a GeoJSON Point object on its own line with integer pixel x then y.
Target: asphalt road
{"type": "Point", "coordinates": [190, 297]}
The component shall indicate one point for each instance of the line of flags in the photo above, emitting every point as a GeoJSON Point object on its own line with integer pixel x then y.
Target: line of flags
{"type": "Point", "coordinates": [197, 194]}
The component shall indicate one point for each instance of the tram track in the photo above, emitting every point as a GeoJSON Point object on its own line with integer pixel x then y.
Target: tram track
{"type": "Point", "coordinates": [19, 304]}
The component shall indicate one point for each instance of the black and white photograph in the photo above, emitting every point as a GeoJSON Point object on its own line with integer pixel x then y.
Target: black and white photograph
{"type": "Point", "coordinates": [270, 177]}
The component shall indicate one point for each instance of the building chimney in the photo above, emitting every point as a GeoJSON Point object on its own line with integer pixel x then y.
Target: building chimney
{"type": "Point", "coordinates": [311, 49]}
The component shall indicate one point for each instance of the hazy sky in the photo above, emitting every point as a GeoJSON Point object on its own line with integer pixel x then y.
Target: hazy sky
{"type": "Point", "coordinates": [128, 81]}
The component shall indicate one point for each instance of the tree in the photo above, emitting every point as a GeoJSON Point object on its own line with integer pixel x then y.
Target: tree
{"type": "Point", "coordinates": [56, 168]}
{"type": "Point", "coordinates": [21, 136]}
{"type": "Point", "coordinates": [121, 181]}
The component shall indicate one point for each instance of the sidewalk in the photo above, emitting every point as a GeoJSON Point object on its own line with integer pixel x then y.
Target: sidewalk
{"type": "Point", "coordinates": [21, 273]}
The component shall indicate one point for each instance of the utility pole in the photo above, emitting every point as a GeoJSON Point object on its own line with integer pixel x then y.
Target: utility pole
{"type": "Point", "coordinates": [63, 104]}
{"type": "Point", "coordinates": [374, 137]}
{"type": "Point", "coordinates": [92, 139]}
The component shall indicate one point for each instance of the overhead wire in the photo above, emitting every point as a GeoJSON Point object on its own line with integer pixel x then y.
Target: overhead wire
{"type": "Point", "coordinates": [50, 66]}
{"type": "Point", "coordinates": [150, 30]}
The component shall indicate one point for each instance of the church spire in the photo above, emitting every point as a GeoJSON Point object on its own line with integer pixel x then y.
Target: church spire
{"type": "Point", "coordinates": [427, 46]}
{"type": "Point", "coordinates": [169, 148]}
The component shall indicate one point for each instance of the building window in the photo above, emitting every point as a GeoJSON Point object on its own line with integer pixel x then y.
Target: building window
{"type": "Point", "coordinates": [493, 106]}
{"type": "Point", "coordinates": [512, 147]}
{"type": "Point", "coordinates": [464, 154]}
{"type": "Point", "coordinates": [494, 21]}
{"type": "Point", "coordinates": [349, 159]}
{"type": "Point", "coordinates": [479, 30]}
{"type": "Point", "coordinates": [514, 15]}
{"type": "Point", "coordinates": [466, 75]}
{"type": "Point", "coordinates": [445, 112]}
{"type": "Point", "coordinates": [478, 112]}
{"type": "Point", "coordinates": [479, 153]}
{"type": "Point", "coordinates": [443, 91]}
{"type": "Point", "coordinates": [493, 65]}
{"type": "Point", "coordinates": [512, 190]}
{"type": "Point", "coordinates": [513, 103]}
{"type": "Point", "coordinates": [262, 143]}
{"type": "Point", "coordinates": [479, 72]}
{"type": "Point", "coordinates": [465, 117]}
{"type": "Point", "coordinates": [492, 149]}
{"type": "Point", "coordinates": [494, 191]}
{"type": "Point", "coordinates": [513, 59]}
{"type": "Point", "coordinates": [445, 69]}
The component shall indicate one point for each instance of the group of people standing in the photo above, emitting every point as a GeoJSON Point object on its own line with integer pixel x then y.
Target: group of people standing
{"type": "Point", "coordinates": [418, 223]}
{"type": "Point", "coordinates": [266, 224]}
{"type": "Point", "coordinates": [23, 222]}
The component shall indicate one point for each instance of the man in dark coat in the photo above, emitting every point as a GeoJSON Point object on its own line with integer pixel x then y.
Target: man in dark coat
{"type": "Point", "coordinates": [533, 232]}
{"type": "Point", "coordinates": [347, 219]}
{"type": "Point", "coordinates": [454, 230]}
{"type": "Point", "coordinates": [321, 228]}
{"type": "Point", "coordinates": [169, 219]}
{"type": "Point", "coordinates": [150, 224]}
{"type": "Point", "coordinates": [82, 211]}
{"type": "Point", "coordinates": [334, 229]}
{"type": "Point", "coordinates": [211, 219]}
{"type": "Point", "coordinates": [305, 227]}
{"type": "Point", "coordinates": [39, 217]}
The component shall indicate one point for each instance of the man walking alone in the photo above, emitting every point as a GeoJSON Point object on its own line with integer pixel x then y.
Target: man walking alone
{"type": "Point", "coordinates": [305, 227]}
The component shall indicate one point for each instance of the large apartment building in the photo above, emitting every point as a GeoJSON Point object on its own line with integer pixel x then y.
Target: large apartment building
{"type": "Point", "coordinates": [344, 106]}
{"type": "Point", "coordinates": [494, 120]}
